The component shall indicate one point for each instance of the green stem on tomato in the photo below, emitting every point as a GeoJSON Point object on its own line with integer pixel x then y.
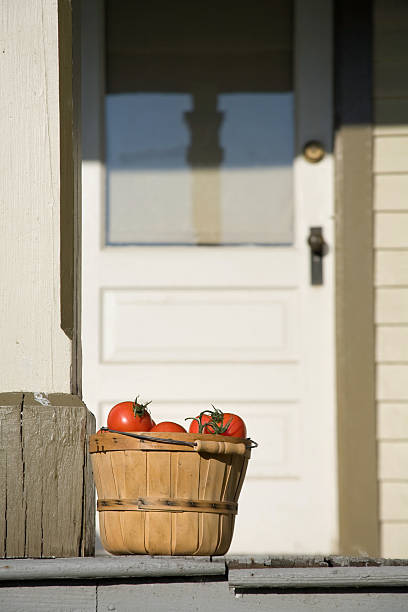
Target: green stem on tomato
{"type": "Point", "coordinates": [198, 420]}
{"type": "Point", "coordinates": [215, 424]}
{"type": "Point", "coordinates": [138, 408]}
{"type": "Point", "coordinates": [217, 420]}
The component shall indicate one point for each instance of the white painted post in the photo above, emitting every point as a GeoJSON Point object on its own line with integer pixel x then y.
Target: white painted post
{"type": "Point", "coordinates": [47, 507]}
{"type": "Point", "coordinates": [35, 352]}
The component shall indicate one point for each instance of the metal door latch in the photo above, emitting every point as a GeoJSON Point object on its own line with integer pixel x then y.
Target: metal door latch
{"type": "Point", "coordinates": [318, 249]}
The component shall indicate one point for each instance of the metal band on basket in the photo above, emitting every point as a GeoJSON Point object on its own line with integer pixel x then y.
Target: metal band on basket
{"type": "Point", "coordinates": [248, 442]}
{"type": "Point", "coordinates": [147, 504]}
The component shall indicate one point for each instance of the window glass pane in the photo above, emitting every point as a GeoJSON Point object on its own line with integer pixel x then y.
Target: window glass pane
{"type": "Point", "coordinates": [148, 177]}
{"type": "Point", "coordinates": [199, 123]}
{"type": "Point", "coordinates": [256, 174]}
{"type": "Point", "coordinates": [155, 196]}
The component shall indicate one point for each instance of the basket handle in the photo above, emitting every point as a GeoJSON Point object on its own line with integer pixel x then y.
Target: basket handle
{"type": "Point", "coordinates": [220, 448]}
{"type": "Point", "coordinates": [203, 446]}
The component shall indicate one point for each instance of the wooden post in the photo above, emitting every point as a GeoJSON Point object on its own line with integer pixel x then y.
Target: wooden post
{"type": "Point", "coordinates": [47, 508]}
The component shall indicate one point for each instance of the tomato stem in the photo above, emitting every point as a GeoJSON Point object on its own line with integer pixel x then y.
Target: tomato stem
{"type": "Point", "coordinates": [201, 425]}
{"type": "Point", "coordinates": [215, 424]}
{"type": "Point", "coordinates": [139, 409]}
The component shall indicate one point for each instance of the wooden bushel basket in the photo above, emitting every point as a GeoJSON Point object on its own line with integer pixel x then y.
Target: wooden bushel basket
{"type": "Point", "coordinates": [175, 495]}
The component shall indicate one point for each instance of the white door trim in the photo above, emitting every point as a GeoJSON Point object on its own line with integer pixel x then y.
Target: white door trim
{"type": "Point", "coordinates": [314, 201]}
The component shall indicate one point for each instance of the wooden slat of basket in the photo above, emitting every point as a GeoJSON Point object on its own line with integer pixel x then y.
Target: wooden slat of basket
{"type": "Point", "coordinates": [118, 470]}
{"type": "Point", "coordinates": [100, 489]}
{"type": "Point", "coordinates": [111, 533]}
{"type": "Point", "coordinates": [229, 493]}
{"type": "Point", "coordinates": [185, 469]}
{"type": "Point", "coordinates": [147, 504]}
{"type": "Point", "coordinates": [211, 479]}
{"type": "Point", "coordinates": [242, 474]}
{"type": "Point", "coordinates": [134, 522]}
{"type": "Point", "coordinates": [203, 536]}
{"type": "Point", "coordinates": [158, 525]}
{"type": "Point", "coordinates": [225, 521]}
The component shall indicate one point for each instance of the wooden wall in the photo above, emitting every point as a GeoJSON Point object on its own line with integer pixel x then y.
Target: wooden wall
{"type": "Point", "coordinates": [391, 267]}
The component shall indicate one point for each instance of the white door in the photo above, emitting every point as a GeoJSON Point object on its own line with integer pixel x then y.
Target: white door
{"type": "Point", "coordinates": [196, 269]}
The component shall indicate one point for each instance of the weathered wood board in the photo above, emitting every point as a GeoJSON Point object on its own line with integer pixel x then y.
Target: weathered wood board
{"type": "Point", "coordinates": [184, 584]}
{"type": "Point", "coordinates": [47, 505]}
{"type": "Point", "coordinates": [48, 599]}
{"type": "Point", "coordinates": [12, 503]}
{"type": "Point", "coordinates": [320, 578]}
{"type": "Point", "coordinates": [125, 567]}
{"type": "Point", "coordinates": [210, 596]}
{"type": "Point", "coordinates": [188, 596]}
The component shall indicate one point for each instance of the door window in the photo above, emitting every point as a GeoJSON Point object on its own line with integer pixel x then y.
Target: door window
{"type": "Point", "coordinates": [199, 124]}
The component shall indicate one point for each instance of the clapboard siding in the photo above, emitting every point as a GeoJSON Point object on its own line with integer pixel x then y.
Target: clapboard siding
{"type": "Point", "coordinates": [391, 191]}
{"type": "Point", "coordinates": [393, 501]}
{"type": "Point", "coordinates": [391, 230]}
{"type": "Point", "coordinates": [391, 268]}
{"type": "Point", "coordinates": [391, 116]}
{"type": "Point", "coordinates": [391, 305]}
{"type": "Point", "coordinates": [393, 460]}
{"type": "Point", "coordinates": [391, 152]}
{"type": "Point", "coordinates": [391, 45]}
{"type": "Point", "coordinates": [394, 538]}
{"type": "Point", "coordinates": [388, 81]}
{"type": "Point", "coordinates": [392, 344]}
{"type": "Point", "coordinates": [390, 168]}
{"type": "Point", "coordinates": [392, 382]}
{"type": "Point", "coordinates": [392, 420]}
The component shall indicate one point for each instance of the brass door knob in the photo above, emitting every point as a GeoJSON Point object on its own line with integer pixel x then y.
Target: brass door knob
{"type": "Point", "coordinates": [313, 151]}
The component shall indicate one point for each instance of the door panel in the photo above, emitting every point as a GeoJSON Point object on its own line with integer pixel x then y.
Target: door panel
{"type": "Point", "coordinates": [158, 325]}
{"type": "Point", "coordinates": [238, 326]}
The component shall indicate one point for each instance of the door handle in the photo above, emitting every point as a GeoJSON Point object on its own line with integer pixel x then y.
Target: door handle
{"type": "Point", "coordinates": [318, 249]}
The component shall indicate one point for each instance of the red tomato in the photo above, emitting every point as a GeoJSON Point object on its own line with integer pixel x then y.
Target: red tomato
{"type": "Point", "coordinates": [168, 426]}
{"type": "Point", "coordinates": [195, 427]}
{"type": "Point", "coordinates": [216, 422]}
{"type": "Point", "coordinates": [130, 416]}
{"type": "Point", "coordinates": [236, 427]}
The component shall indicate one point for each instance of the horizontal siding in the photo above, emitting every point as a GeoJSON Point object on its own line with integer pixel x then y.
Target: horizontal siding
{"type": "Point", "coordinates": [391, 116]}
{"type": "Point", "coordinates": [393, 501]}
{"type": "Point", "coordinates": [387, 80]}
{"type": "Point", "coordinates": [391, 153]}
{"type": "Point", "coordinates": [390, 166]}
{"type": "Point", "coordinates": [391, 268]}
{"type": "Point", "coordinates": [389, 16]}
{"type": "Point", "coordinates": [392, 382]}
{"type": "Point", "coordinates": [394, 540]}
{"type": "Point", "coordinates": [391, 191]}
{"type": "Point", "coordinates": [392, 421]}
{"type": "Point", "coordinates": [393, 460]}
{"type": "Point", "coordinates": [391, 305]}
{"type": "Point", "coordinates": [391, 230]}
{"type": "Point", "coordinates": [391, 45]}
{"type": "Point", "coordinates": [392, 344]}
